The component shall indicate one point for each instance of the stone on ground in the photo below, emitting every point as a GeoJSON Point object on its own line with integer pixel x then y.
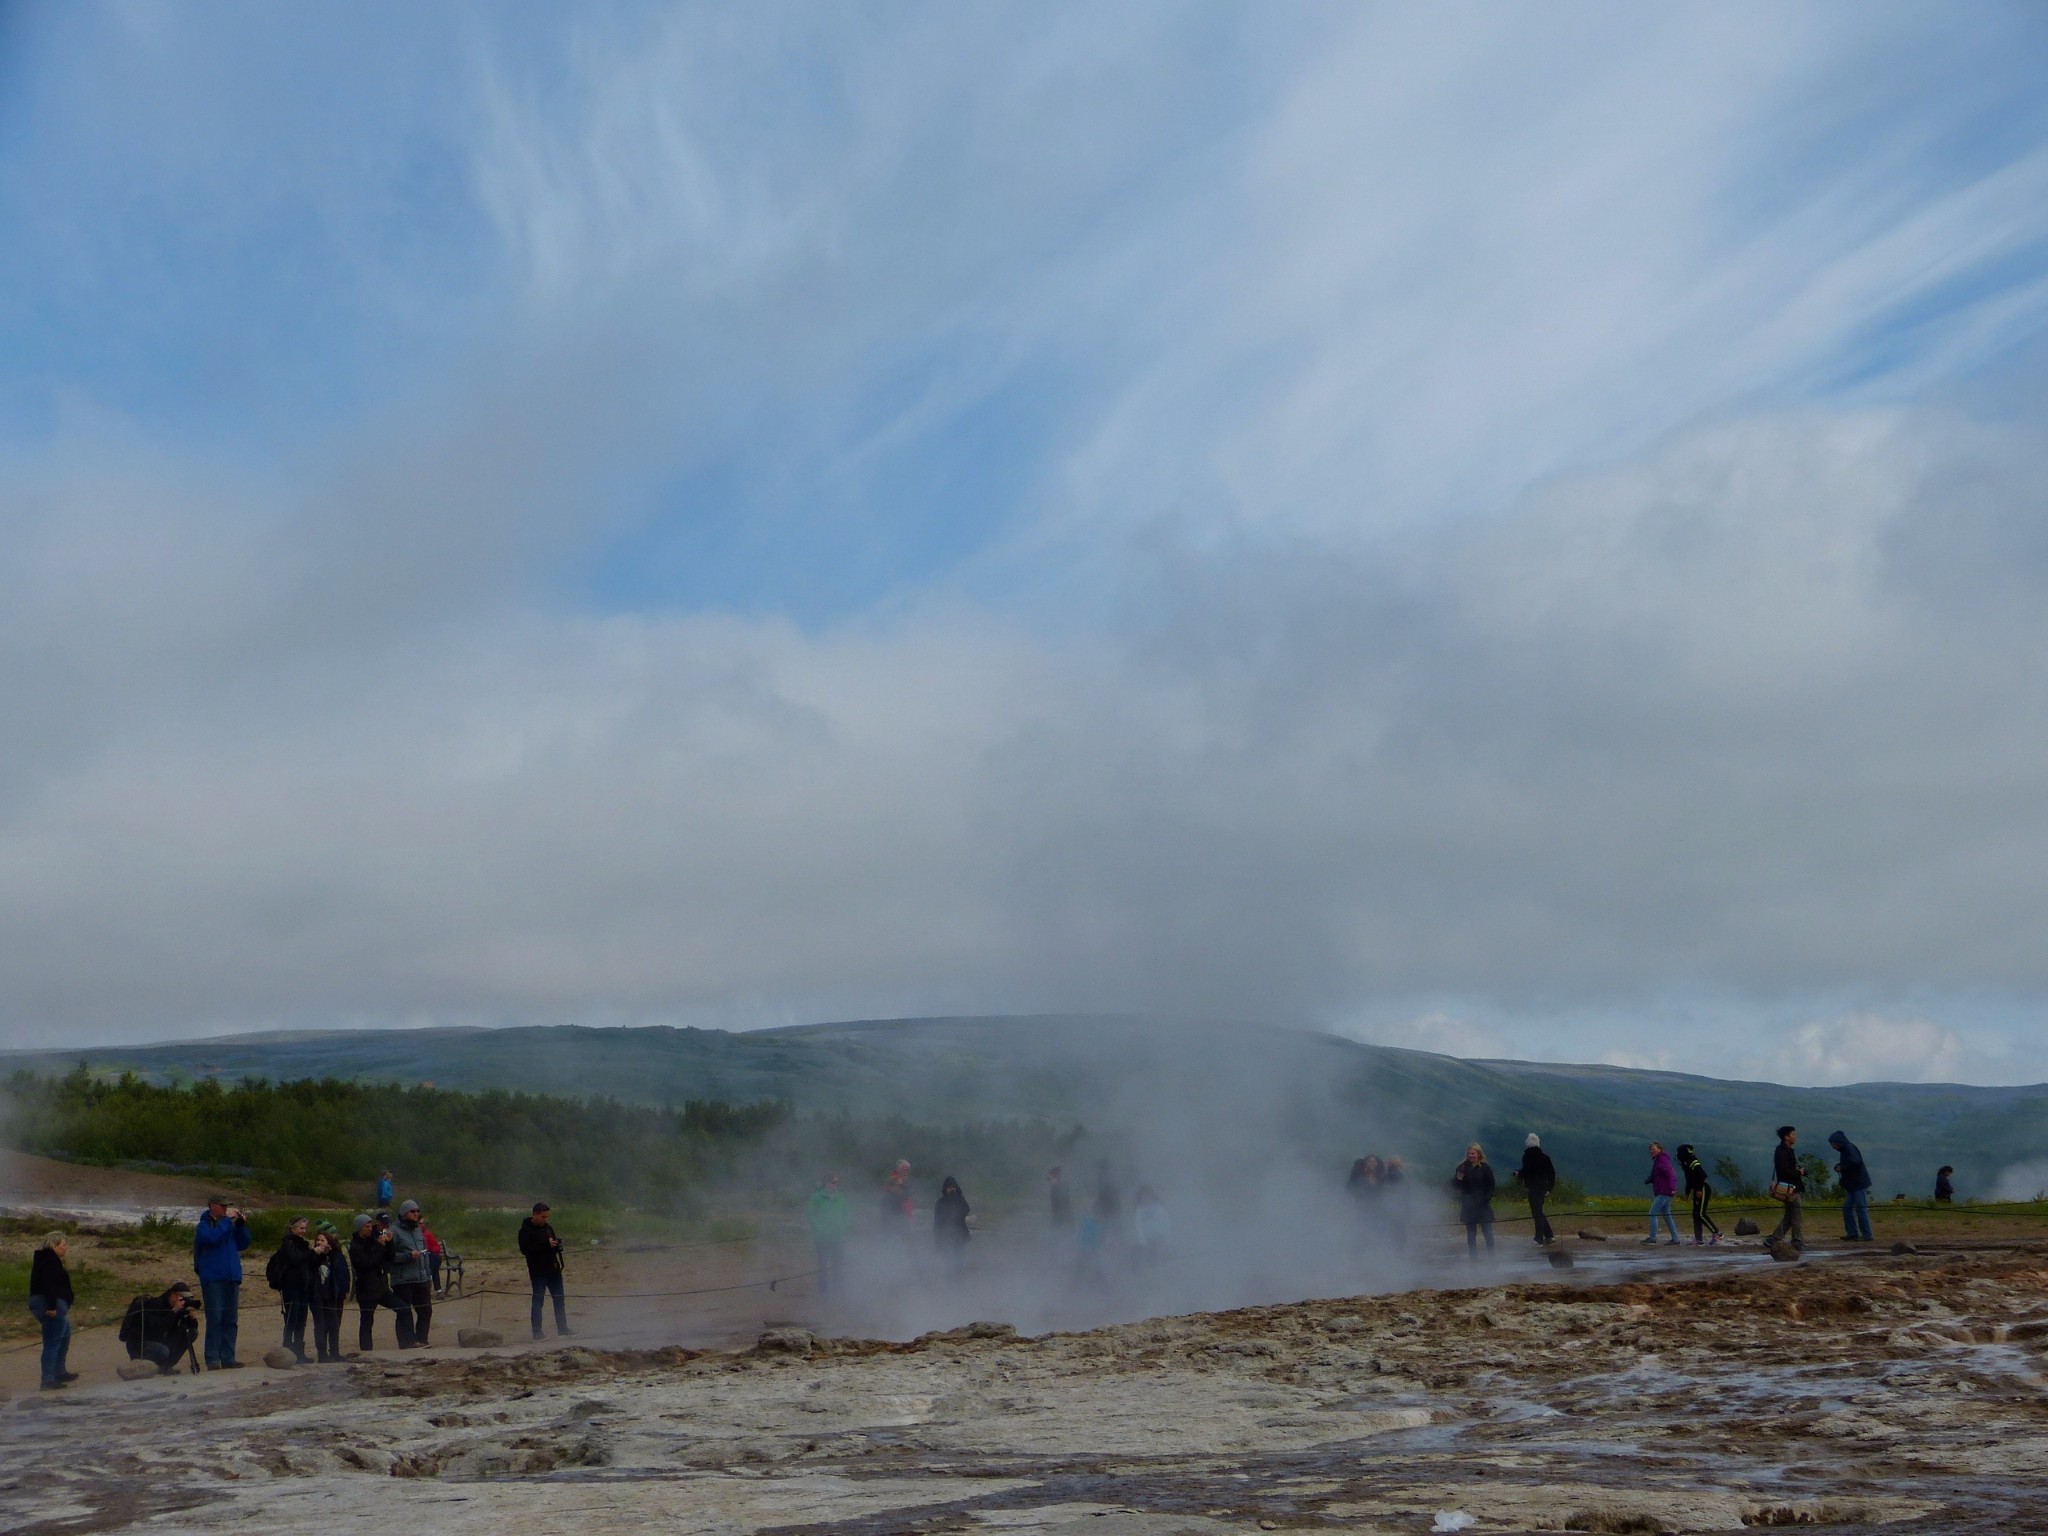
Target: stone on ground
{"type": "Point", "coordinates": [478, 1338]}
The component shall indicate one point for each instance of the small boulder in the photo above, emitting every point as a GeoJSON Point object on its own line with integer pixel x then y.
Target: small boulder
{"type": "Point", "coordinates": [1746, 1228]}
{"type": "Point", "coordinates": [135, 1370]}
{"type": "Point", "coordinates": [280, 1359]}
{"type": "Point", "coordinates": [1783, 1251]}
{"type": "Point", "coordinates": [785, 1341]}
{"type": "Point", "coordinates": [479, 1338]}
{"type": "Point", "coordinates": [1560, 1259]}
{"type": "Point", "coordinates": [1904, 1248]}
{"type": "Point", "coordinates": [991, 1331]}
{"type": "Point", "coordinates": [1589, 1235]}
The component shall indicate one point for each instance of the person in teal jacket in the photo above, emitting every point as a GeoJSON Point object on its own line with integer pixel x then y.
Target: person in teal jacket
{"type": "Point", "coordinates": [830, 1222]}
{"type": "Point", "coordinates": [217, 1247]}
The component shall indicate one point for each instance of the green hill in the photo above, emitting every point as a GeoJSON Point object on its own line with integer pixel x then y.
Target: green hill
{"type": "Point", "coordinates": [1167, 1090]}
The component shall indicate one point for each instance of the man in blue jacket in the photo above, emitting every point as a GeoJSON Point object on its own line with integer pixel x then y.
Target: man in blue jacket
{"type": "Point", "coordinates": [1855, 1177]}
{"type": "Point", "coordinates": [217, 1258]}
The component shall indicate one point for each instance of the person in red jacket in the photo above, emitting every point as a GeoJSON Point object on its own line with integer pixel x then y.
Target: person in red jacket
{"type": "Point", "coordinates": [434, 1252]}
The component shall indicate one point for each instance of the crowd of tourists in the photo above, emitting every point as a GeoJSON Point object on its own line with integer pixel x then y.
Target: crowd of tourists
{"type": "Point", "coordinates": [386, 1263]}
{"type": "Point", "coordinates": [395, 1263]}
{"type": "Point", "coordinates": [1672, 1173]}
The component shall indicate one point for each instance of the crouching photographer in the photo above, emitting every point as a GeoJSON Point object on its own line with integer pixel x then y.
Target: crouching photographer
{"type": "Point", "coordinates": [163, 1329]}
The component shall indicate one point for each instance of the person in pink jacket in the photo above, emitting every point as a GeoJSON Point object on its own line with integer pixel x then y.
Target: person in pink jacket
{"type": "Point", "coordinates": [1663, 1182]}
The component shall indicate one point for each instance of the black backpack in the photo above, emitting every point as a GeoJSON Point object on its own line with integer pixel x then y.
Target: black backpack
{"type": "Point", "coordinates": [273, 1272]}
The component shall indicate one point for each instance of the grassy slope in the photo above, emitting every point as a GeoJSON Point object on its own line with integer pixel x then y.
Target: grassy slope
{"type": "Point", "coordinates": [1336, 1094]}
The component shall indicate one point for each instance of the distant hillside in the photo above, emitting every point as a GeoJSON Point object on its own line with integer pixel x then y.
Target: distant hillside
{"type": "Point", "coordinates": [1168, 1089]}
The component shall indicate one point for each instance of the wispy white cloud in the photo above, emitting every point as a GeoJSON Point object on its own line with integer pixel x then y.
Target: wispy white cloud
{"type": "Point", "coordinates": [1487, 529]}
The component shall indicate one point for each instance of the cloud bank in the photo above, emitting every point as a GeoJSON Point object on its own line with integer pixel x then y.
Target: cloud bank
{"type": "Point", "coordinates": [1347, 521]}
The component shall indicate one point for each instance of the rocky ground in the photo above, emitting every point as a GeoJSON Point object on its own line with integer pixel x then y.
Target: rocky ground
{"type": "Point", "coordinates": [1859, 1391]}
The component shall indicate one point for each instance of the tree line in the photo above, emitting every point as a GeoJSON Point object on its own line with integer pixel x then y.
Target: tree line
{"type": "Point", "coordinates": [329, 1138]}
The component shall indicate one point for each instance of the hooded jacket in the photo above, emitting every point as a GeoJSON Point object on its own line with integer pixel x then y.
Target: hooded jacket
{"type": "Point", "coordinates": [1663, 1179]}
{"type": "Point", "coordinates": [949, 1215]}
{"type": "Point", "coordinates": [217, 1248]}
{"type": "Point", "coordinates": [1855, 1174]}
{"type": "Point", "coordinates": [1694, 1170]}
{"type": "Point", "coordinates": [409, 1262]}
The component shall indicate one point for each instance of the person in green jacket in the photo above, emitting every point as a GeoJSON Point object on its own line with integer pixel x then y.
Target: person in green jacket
{"type": "Point", "coordinates": [830, 1221]}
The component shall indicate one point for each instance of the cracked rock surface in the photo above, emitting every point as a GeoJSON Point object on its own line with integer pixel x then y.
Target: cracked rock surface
{"type": "Point", "coordinates": [1895, 1392]}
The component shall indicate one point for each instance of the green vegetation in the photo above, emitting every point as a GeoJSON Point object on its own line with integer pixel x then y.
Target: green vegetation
{"type": "Point", "coordinates": [594, 1158]}
{"type": "Point", "coordinates": [330, 1138]}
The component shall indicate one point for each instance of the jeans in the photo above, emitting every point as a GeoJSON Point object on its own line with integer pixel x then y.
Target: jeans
{"type": "Point", "coordinates": [222, 1300]}
{"type": "Point", "coordinates": [1792, 1224]}
{"type": "Point", "coordinates": [1472, 1227]}
{"type": "Point", "coordinates": [1543, 1232]}
{"type": "Point", "coordinates": [543, 1287]}
{"type": "Point", "coordinates": [296, 1310]}
{"type": "Point", "coordinates": [55, 1316]}
{"type": "Point", "coordinates": [831, 1253]}
{"type": "Point", "coordinates": [1856, 1214]}
{"type": "Point", "coordinates": [1660, 1209]}
{"type": "Point", "coordinates": [434, 1266]}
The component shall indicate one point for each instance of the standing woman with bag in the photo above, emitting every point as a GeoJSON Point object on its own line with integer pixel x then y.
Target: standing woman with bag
{"type": "Point", "coordinates": [1788, 1184]}
{"type": "Point", "coordinates": [49, 1303]}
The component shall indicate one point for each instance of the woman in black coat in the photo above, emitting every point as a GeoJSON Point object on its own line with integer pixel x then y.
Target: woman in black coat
{"type": "Point", "coordinates": [1473, 1180]}
{"type": "Point", "coordinates": [330, 1294]}
{"type": "Point", "coordinates": [949, 1224]}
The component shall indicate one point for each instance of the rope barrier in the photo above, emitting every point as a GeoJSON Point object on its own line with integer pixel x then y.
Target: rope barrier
{"type": "Point", "coordinates": [702, 1290]}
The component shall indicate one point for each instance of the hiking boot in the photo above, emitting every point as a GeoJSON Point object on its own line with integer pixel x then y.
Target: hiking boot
{"type": "Point", "coordinates": [67, 1375]}
{"type": "Point", "coordinates": [539, 1337]}
{"type": "Point", "coordinates": [565, 1333]}
{"type": "Point", "coordinates": [53, 1386]}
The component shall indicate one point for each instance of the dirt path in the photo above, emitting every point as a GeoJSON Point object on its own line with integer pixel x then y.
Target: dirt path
{"type": "Point", "coordinates": [1862, 1392]}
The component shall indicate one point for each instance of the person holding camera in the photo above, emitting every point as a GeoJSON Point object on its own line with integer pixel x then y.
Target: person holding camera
{"type": "Point", "coordinates": [369, 1257]}
{"type": "Point", "coordinates": [162, 1329]}
{"type": "Point", "coordinates": [217, 1247]}
{"type": "Point", "coordinates": [542, 1251]}
{"type": "Point", "coordinates": [412, 1272]}
{"type": "Point", "coordinates": [294, 1274]}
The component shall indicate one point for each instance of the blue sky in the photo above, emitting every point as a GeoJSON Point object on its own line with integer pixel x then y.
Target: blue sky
{"type": "Point", "coordinates": [1511, 529]}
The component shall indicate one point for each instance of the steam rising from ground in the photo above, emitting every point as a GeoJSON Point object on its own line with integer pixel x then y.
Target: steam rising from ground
{"type": "Point", "coordinates": [1247, 1151]}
